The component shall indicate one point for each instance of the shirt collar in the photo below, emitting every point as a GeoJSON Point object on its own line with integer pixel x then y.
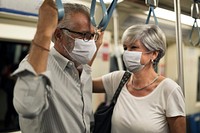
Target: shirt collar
{"type": "Point", "coordinates": [62, 61]}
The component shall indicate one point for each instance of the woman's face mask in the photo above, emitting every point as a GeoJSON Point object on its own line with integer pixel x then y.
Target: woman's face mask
{"type": "Point", "coordinates": [132, 60]}
{"type": "Point", "coordinates": [83, 51]}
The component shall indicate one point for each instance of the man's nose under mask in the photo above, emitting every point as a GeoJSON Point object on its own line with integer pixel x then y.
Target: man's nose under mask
{"type": "Point", "coordinates": [83, 51]}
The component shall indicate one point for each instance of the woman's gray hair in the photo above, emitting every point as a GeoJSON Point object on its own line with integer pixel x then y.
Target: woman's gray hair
{"type": "Point", "coordinates": [151, 36]}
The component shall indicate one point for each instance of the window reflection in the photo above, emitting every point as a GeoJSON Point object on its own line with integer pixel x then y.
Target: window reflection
{"type": "Point", "coordinates": [11, 54]}
{"type": "Point", "coordinates": [198, 82]}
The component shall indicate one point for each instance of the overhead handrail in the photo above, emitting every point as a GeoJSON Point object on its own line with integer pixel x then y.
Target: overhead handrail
{"type": "Point", "coordinates": [195, 14]}
{"type": "Point", "coordinates": [106, 14]}
{"type": "Point", "coordinates": [60, 9]}
{"type": "Point", "coordinates": [110, 12]}
{"type": "Point", "coordinates": [192, 32]}
{"type": "Point", "coordinates": [152, 4]}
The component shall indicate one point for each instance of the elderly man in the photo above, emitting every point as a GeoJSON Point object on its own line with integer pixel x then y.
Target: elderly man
{"type": "Point", "coordinates": [53, 93]}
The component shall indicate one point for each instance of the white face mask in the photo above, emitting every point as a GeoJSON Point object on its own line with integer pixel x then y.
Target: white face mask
{"type": "Point", "coordinates": [132, 60]}
{"type": "Point", "coordinates": [83, 51]}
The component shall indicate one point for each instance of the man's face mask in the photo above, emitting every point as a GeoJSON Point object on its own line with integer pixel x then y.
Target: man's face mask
{"type": "Point", "coordinates": [83, 51]}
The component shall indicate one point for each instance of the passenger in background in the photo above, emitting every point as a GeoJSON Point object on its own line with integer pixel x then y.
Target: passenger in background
{"type": "Point", "coordinates": [53, 93]}
{"type": "Point", "coordinates": [148, 102]}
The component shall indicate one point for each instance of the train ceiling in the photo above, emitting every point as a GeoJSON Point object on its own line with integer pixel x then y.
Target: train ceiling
{"type": "Point", "coordinates": [132, 12]}
{"type": "Point", "coordinates": [169, 4]}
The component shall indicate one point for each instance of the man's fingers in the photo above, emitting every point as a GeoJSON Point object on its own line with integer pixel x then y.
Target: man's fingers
{"type": "Point", "coordinates": [52, 3]}
{"type": "Point", "coordinates": [50, 0]}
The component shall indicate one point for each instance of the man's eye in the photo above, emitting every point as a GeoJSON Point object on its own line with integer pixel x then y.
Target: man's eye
{"type": "Point", "coordinates": [133, 47]}
{"type": "Point", "coordinates": [125, 48]}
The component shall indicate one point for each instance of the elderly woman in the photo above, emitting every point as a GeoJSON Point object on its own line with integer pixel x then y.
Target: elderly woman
{"type": "Point", "coordinates": [148, 102]}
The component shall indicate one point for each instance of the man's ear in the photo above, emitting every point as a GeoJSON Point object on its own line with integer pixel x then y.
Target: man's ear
{"type": "Point", "coordinates": [58, 34]}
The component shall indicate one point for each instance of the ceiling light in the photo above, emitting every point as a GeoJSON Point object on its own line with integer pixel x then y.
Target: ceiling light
{"type": "Point", "coordinates": [170, 15]}
{"type": "Point", "coordinates": [109, 1]}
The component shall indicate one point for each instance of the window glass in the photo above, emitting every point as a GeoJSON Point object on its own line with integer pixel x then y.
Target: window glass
{"type": "Point", "coordinates": [198, 82]}
{"type": "Point", "coordinates": [10, 55]}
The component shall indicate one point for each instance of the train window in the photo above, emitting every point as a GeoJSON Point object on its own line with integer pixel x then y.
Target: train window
{"type": "Point", "coordinates": [198, 82]}
{"type": "Point", "coordinates": [11, 54]}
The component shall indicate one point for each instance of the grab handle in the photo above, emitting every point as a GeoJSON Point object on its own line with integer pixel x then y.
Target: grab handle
{"type": "Point", "coordinates": [60, 9]}
{"type": "Point", "coordinates": [152, 4]}
{"type": "Point", "coordinates": [192, 42]}
{"type": "Point", "coordinates": [106, 14]}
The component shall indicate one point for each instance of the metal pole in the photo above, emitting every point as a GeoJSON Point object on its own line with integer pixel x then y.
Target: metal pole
{"type": "Point", "coordinates": [179, 44]}
{"type": "Point", "coordinates": [116, 37]}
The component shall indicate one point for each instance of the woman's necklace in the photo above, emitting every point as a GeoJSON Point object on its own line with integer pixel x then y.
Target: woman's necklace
{"type": "Point", "coordinates": [154, 80]}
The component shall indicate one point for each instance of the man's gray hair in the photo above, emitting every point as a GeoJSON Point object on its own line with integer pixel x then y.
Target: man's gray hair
{"type": "Point", "coordinates": [70, 9]}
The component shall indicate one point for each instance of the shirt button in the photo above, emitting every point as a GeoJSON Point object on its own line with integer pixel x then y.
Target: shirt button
{"type": "Point", "coordinates": [47, 86]}
{"type": "Point", "coordinates": [70, 64]}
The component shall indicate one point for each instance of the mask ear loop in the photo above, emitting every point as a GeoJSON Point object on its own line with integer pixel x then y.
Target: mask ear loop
{"type": "Point", "coordinates": [151, 60]}
{"type": "Point", "coordinates": [70, 56]}
{"type": "Point", "coordinates": [69, 35]}
{"type": "Point", "coordinates": [77, 64]}
{"type": "Point", "coordinates": [68, 53]}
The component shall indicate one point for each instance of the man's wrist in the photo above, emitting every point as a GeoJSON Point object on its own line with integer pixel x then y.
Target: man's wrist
{"type": "Point", "coordinates": [42, 40]}
{"type": "Point", "coordinates": [40, 46]}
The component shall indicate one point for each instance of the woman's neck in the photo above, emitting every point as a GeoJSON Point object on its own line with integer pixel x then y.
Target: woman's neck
{"type": "Point", "coordinates": [143, 78]}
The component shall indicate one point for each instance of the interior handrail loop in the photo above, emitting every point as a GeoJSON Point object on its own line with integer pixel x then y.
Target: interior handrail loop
{"type": "Point", "coordinates": [106, 14]}
{"type": "Point", "coordinates": [151, 9]}
{"type": "Point", "coordinates": [195, 25]}
{"type": "Point", "coordinates": [60, 9]}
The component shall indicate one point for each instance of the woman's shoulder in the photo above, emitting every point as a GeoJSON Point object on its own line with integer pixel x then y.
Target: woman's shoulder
{"type": "Point", "coordinates": [113, 77]}
{"type": "Point", "coordinates": [169, 82]}
{"type": "Point", "coordinates": [168, 85]}
{"type": "Point", "coordinates": [119, 73]}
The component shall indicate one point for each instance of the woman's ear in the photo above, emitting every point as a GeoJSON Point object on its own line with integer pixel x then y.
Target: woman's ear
{"type": "Point", "coordinates": [155, 55]}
